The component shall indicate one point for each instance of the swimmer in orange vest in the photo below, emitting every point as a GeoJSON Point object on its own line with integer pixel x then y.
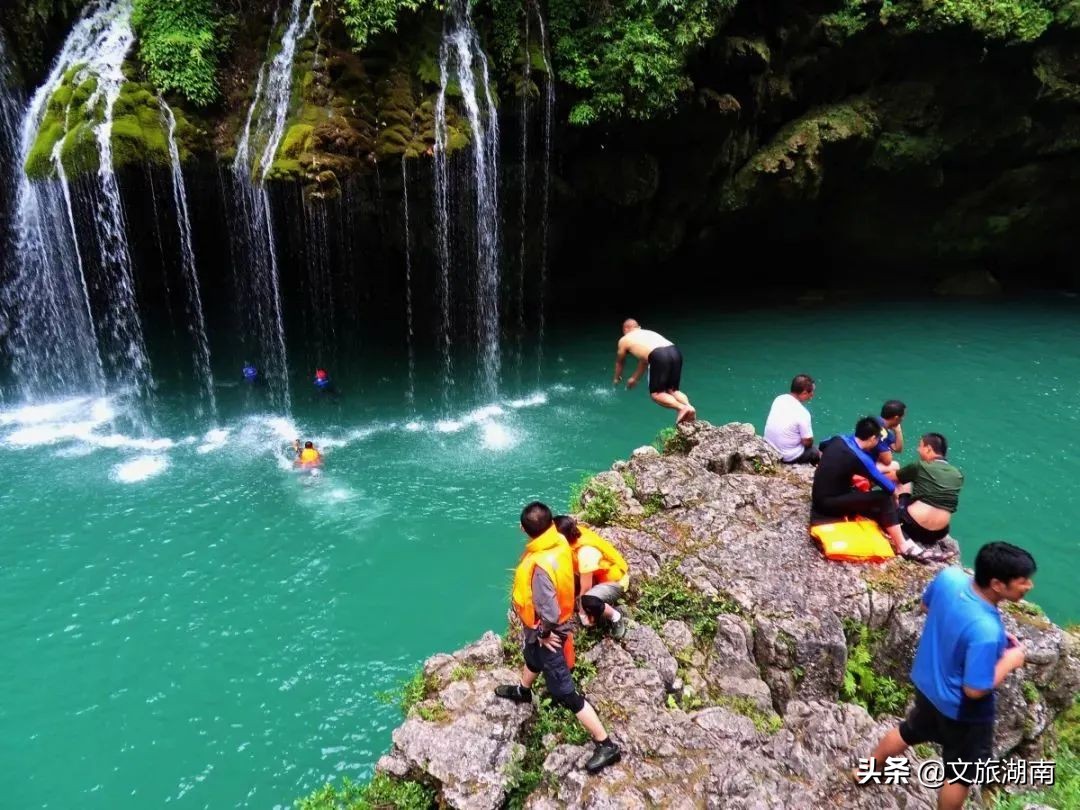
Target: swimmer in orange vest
{"type": "Point", "coordinates": [543, 599]}
{"type": "Point", "coordinates": [307, 457]}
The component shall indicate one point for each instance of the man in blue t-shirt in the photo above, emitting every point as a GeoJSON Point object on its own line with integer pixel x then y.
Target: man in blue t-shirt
{"type": "Point", "coordinates": [963, 655]}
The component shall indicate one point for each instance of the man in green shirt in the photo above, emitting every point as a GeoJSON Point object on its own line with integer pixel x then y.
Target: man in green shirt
{"type": "Point", "coordinates": [925, 513]}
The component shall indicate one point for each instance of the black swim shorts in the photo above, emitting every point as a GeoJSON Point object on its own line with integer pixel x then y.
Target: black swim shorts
{"type": "Point", "coordinates": [961, 743]}
{"type": "Point", "coordinates": [665, 370]}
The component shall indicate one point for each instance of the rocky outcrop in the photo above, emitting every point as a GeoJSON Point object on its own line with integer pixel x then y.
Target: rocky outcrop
{"type": "Point", "coordinates": [726, 691]}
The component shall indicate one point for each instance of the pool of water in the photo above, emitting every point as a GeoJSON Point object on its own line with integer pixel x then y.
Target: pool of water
{"type": "Point", "coordinates": [187, 620]}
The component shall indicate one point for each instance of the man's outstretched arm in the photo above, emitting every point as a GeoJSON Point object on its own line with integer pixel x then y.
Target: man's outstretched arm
{"type": "Point", "coordinates": [620, 360]}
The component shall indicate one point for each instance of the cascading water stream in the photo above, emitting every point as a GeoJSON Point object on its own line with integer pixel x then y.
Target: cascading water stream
{"type": "Point", "coordinates": [523, 200]}
{"type": "Point", "coordinates": [257, 250]}
{"type": "Point", "coordinates": [195, 320]}
{"type": "Point", "coordinates": [52, 337]}
{"type": "Point", "coordinates": [545, 192]}
{"type": "Point", "coordinates": [411, 394]}
{"type": "Point", "coordinates": [459, 50]}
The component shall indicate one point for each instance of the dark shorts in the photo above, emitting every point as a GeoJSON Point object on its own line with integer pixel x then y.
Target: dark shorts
{"type": "Point", "coordinates": [924, 537]}
{"type": "Point", "coordinates": [552, 664]}
{"type": "Point", "coordinates": [810, 455]}
{"type": "Point", "coordinates": [665, 370]}
{"type": "Point", "coordinates": [960, 742]}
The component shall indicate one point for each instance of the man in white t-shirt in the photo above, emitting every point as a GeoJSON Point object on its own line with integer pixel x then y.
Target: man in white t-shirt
{"type": "Point", "coordinates": [788, 427]}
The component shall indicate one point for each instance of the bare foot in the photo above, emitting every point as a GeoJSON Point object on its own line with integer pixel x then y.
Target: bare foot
{"type": "Point", "coordinates": [686, 414]}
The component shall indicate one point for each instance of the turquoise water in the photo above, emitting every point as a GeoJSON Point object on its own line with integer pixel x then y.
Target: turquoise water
{"type": "Point", "coordinates": [185, 620]}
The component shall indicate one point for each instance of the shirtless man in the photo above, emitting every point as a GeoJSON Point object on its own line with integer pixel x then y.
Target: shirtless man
{"type": "Point", "coordinates": [664, 362]}
{"type": "Point", "coordinates": [925, 512]}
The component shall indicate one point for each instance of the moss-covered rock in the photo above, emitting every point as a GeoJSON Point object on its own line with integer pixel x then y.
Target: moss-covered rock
{"type": "Point", "coordinates": [792, 166]}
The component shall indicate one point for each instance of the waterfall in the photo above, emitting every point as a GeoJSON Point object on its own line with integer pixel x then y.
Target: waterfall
{"type": "Point", "coordinates": [408, 281]}
{"type": "Point", "coordinates": [442, 222]}
{"type": "Point", "coordinates": [545, 192]}
{"type": "Point", "coordinates": [523, 201]}
{"type": "Point", "coordinates": [266, 120]}
{"type": "Point", "coordinates": [52, 337]}
{"type": "Point", "coordinates": [459, 50]}
{"type": "Point", "coordinates": [195, 320]}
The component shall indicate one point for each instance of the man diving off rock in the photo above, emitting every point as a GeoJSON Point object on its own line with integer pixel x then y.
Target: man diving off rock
{"type": "Point", "coordinates": [664, 362]}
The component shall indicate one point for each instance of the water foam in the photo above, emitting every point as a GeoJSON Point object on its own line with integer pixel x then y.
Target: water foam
{"type": "Point", "coordinates": [139, 469]}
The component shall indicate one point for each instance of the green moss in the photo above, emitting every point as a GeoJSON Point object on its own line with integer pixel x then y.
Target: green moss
{"type": "Point", "coordinates": [285, 169]}
{"type": "Point", "coordinates": [39, 162]}
{"type": "Point", "coordinates": [81, 151]}
{"type": "Point", "coordinates": [296, 141]}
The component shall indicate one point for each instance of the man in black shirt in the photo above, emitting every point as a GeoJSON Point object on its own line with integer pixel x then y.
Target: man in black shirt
{"type": "Point", "coordinates": [833, 493]}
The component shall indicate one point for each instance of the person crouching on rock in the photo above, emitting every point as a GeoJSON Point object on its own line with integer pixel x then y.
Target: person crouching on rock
{"type": "Point", "coordinates": [603, 574]}
{"type": "Point", "coordinates": [964, 654]}
{"type": "Point", "coordinates": [543, 598]}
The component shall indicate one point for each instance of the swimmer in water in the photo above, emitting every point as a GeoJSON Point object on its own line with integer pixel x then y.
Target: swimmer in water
{"type": "Point", "coordinates": [307, 457]}
{"type": "Point", "coordinates": [324, 386]}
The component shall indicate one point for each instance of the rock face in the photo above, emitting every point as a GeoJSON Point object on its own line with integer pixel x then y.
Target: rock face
{"type": "Point", "coordinates": [725, 693]}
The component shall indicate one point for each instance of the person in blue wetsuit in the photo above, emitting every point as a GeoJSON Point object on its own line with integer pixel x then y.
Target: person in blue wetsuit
{"type": "Point", "coordinates": [891, 437]}
{"type": "Point", "coordinates": [324, 386]}
{"type": "Point", "coordinates": [251, 374]}
{"type": "Point", "coordinates": [963, 656]}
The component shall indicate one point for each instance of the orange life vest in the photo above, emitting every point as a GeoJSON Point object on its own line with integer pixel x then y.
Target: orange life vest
{"type": "Point", "coordinates": [309, 455]}
{"type": "Point", "coordinates": [551, 552]}
{"type": "Point", "coordinates": [858, 541]}
{"type": "Point", "coordinates": [613, 566]}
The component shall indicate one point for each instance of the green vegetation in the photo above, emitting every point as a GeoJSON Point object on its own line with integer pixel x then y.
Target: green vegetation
{"type": "Point", "coordinates": [878, 694]}
{"type": "Point", "coordinates": [626, 58]}
{"type": "Point", "coordinates": [365, 19]}
{"type": "Point", "coordinates": [670, 442]}
{"type": "Point", "coordinates": [765, 722]}
{"type": "Point", "coordinates": [462, 672]}
{"type": "Point", "coordinates": [381, 792]}
{"type": "Point", "coordinates": [1003, 20]}
{"type": "Point", "coordinates": [668, 596]}
{"type": "Point", "coordinates": [180, 42]}
{"type": "Point", "coordinates": [602, 507]}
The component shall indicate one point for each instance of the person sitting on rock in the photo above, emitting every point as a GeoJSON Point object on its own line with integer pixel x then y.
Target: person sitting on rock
{"type": "Point", "coordinates": [603, 575]}
{"type": "Point", "coordinates": [934, 483]}
{"type": "Point", "coordinates": [543, 599]}
{"type": "Point", "coordinates": [662, 359]}
{"type": "Point", "coordinates": [788, 428]}
{"type": "Point", "coordinates": [964, 654]}
{"type": "Point", "coordinates": [833, 493]}
{"type": "Point", "coordinates": [891, 437]}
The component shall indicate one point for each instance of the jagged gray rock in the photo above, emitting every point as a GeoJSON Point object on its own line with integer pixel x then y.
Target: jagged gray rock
{"type": "Point", "coordinates": [694, 714]}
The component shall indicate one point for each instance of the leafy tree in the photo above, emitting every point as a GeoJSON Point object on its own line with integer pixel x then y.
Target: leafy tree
{"type": "Point", "coordinates": [180, 42]}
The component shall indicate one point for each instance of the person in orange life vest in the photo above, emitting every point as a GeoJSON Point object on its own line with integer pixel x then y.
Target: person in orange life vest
{"type": "Point", "coordinates": [603, 574]}
{"type": "Point", "coordinates": [543, 598]}
{"type": "Point", "coordinates": [306, 456]}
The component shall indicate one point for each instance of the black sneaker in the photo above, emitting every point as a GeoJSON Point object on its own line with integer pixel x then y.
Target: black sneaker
{"type": "Point", "coordinates": [516, 693]}
{"type": "Point", "coordinates": [606, 753]}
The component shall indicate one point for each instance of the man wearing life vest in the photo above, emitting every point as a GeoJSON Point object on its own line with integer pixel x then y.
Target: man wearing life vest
{"type": "Point", "coordinates": [603, 574]}
{"type": "Point", "coordinates": [543, 598]}
{"type": "Point", "coordinates": [307, 456]}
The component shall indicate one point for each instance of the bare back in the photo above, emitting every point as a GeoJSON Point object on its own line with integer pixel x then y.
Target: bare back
{"type": "Point", "coordinates": [641, 342]}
